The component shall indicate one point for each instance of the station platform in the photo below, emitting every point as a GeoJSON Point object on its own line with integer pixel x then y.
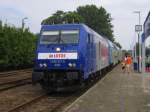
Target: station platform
{"type": "Point", "coordinates": [116, 92]}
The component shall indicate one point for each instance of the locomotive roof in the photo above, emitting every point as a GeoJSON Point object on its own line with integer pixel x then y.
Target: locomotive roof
{"type": "Point", "coordinates": [56, 26]}
{"type": "Point", "coordinates": [46, 27]}
{"type": "Point", "coordinates": [110, 43]}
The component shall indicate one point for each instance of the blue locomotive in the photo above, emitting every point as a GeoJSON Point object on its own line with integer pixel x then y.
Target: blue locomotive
{"type": "Point", "coordinates": [69, 54]}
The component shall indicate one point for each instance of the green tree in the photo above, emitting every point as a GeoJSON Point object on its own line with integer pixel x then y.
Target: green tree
{"type": "Point", "coordinates": [96, 18]}
{"type": "Point", "coordinates": [0, 25]}
{"type": "Point", "coordinates": [61, 17]}
{"type": "Point", "coordinates": [72, 17]}
{"type": "Point", "coordinates": [100, 20]}
{"type": "Point", "coordinates": [56, 18]}
{"type": "Point", "coordinates": [118, 44]}
{"type": "Point", "coordinates": [147, 51]}
{"type": "Point", "coordinates": [17, 47]}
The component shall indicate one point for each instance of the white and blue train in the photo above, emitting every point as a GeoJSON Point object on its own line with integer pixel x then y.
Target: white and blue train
{"type": "Point", "coordinates": [69, 54]}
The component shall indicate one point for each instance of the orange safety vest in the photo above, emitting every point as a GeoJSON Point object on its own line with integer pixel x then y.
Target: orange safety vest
{"type": "Point", "coordinates": [129, 60]}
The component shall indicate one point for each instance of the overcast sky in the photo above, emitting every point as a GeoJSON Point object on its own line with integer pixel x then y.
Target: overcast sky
{"type": "Point", "coordinates": [124, 20]}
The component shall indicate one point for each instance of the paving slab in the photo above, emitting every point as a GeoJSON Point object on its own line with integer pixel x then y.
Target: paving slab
{"type": "Point", "coordinates": [116, 92]}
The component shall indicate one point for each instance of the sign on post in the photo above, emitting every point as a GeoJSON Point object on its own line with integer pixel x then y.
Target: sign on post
{"type": "Point", "coordinates": [138, 28]}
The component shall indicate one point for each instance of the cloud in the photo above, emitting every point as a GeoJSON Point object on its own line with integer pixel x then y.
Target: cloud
{"type": "Point", "coordinates": [124, 19]}
{"type": "Point", "coordinates": [121, 11]}
{"type": "Point", "coordinates": [11, 15]}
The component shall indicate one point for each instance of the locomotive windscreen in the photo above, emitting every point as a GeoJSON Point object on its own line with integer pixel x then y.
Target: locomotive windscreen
{"type": "Point", "coordinates": [59, 37]}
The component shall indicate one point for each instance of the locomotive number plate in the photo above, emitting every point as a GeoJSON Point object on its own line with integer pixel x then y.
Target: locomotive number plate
{"type": "Point", "coordinates": [57, 55]}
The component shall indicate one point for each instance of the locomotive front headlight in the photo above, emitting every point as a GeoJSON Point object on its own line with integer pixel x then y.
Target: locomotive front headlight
{"type": "Point", "coordinates": [74, 65]}
{"type": "Point", "coordinates": [70, 64]}
{"type": "Point", "coordinates": [45, 65]}
{"type": "Point", "coordinates": [41, 65]}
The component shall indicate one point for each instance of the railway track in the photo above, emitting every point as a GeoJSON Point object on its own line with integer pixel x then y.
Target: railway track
{"type": "Point", "coordinates": [54, 103]}
{"type": "Point", "coordinates": [14, 79]}
{"type": "Point", "coordinates": [27, 103]}
{"type": "Point", "coordinates": [13, 84]}
{"type": "Point", "coordinates": [11, 73]}
{"type": "Point", "coordinates": [41, 102]}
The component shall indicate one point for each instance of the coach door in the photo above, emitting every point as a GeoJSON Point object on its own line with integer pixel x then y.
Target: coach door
{"type": "Point", "coordinates": [92, 53]}
{"type": "Point", "coordinates": [89, 54]}
{"type": "Point", "coordinates": [99, 56]}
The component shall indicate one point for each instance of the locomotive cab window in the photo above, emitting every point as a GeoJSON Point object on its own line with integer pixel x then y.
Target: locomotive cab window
{"type": "Point", "coordinates": [49, 37]}
{"type": "Point", "coordinates": [69, 36]}
{"type": "Point", "coordinates": [60, 37]}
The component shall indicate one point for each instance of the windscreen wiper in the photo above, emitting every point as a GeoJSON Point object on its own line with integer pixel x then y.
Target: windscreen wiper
{"type": "Point", "coordinates": [60, 40]}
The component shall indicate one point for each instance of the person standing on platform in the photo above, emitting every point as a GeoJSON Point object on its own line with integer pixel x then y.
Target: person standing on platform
{"type": "Point", "coordinates": [148, 62]}
{"type": "Point", "coordinates": [124, 64]}
{"type": "Point", "coordinates": [128, 63]}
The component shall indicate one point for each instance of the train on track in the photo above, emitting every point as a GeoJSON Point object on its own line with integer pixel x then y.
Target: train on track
{"type": "Point", "coordinates": [68, 55]}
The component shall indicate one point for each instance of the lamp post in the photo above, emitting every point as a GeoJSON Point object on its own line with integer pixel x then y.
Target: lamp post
{"type": "Point", "coordinates": [23, 23]}
{"type": "Point", "coordinates": [138, 28]}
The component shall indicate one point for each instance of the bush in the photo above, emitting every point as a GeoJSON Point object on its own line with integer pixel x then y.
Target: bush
{"type": "Point", "coordinates": [17, 47]}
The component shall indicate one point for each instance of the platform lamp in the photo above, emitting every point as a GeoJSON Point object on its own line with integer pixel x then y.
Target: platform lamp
{"type": "Point", "coordinates": [23, 23]}
{"type": "Point", "coordinates": [138, 29]}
